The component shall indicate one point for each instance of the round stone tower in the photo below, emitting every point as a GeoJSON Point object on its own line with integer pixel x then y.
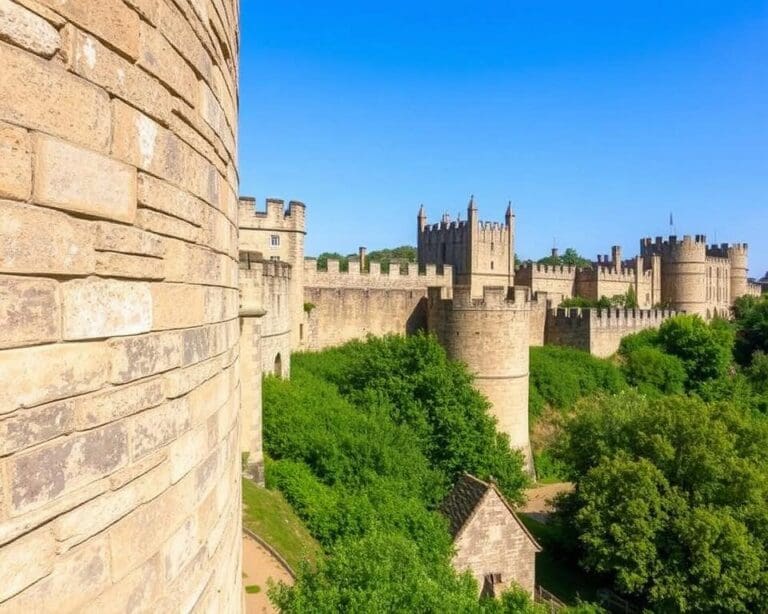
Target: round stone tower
{"type": "Point", "coordinates": [121, 471]}
{"type": "Point", "coordinates": [490, 335]}
{"type": "Point", "coordinates": [683, 273]}
{"type": "Point", "coordinates": [737, 256]}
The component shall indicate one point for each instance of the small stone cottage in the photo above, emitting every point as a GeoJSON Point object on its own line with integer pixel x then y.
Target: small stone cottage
{"type": "Point", "coordinates": [491, 542]}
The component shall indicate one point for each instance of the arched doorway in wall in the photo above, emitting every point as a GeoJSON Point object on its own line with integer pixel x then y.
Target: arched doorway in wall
{"type": "Point", "coordinates": [278, 370]}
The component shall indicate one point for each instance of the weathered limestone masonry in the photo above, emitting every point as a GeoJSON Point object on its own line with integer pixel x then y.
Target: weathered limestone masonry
{"type": "Point", "coordinates": [119, 452]}
{"type": "Point", "coordinates": [481, 253]}
{"type": "Point", "coordinates": [342, 306]}
{"type": "Point", "coordinates": [597, 331]}
{"type": "Point", "coordinates": [278, 234]}
{"type": "Point", "coordinates": [498, 359]}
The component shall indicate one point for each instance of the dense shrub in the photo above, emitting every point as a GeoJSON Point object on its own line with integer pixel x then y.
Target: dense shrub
{"type": "Point", "coordinates": [364, 441]}
{"type": "Point", "coordinates": [652, 370]}
{"type": "Point", "coordinates": [704, 349]}
{"type": "Point", "coordinates": [561, 376]}
{"type": "Point", "coordinates": [671, 500]}
{"type": "Point", "coordinates": [751, 318]}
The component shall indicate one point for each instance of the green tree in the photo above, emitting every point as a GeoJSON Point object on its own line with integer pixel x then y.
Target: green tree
{"type": "Point", "coordinates": [569, 258]}
{"type": "Point", "coordinates": [751, 319]}
{"type": "Point", "coordinates": [705, 351]}
{"type": "Point", "coordinates": [322, 260]}
{"type": "Point", "coordinates": [652, 370]}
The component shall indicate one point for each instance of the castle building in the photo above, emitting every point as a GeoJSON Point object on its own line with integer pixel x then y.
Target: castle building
{"type": "Point", "coordinates": [466, 290]}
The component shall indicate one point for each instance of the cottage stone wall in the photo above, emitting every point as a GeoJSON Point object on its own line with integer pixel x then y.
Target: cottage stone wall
{"type": "Point", "coordinates": [119, 452]}
{"type": "Point", "coordinates": [493, 542]}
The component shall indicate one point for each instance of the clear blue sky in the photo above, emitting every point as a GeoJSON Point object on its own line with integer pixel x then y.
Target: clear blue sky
{"type": "Point", "coordinates": [595, 118]}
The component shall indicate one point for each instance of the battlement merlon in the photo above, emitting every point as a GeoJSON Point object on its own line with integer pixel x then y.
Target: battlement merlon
{"type": "Point", "coordinates": [673, 244]}
{"type": "Point", "coordinates": [495, 298]}
{"type": "Point", "coordinates": [414, 278]}
{"type": "Point", "coordinates": [614, 317]}
{"type": "Point", "coordinates": [275, 215]}
{"type": "Point", "coordinates": [728, 250]}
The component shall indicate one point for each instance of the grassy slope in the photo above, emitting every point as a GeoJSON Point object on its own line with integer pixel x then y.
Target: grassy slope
{"type": "Point", "coordinates": [266, 513]}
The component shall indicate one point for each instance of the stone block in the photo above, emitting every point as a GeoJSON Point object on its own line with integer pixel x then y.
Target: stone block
{"type": "Point", "coordinates": [176, 305]}
{"type": "Point", "coordinates": [177, 30]}
{"type": "Point", "coordinates": [140, 589]}
{"type": "Point", "coordinates": [35, 375]}
{"type": "Point", "coordinates": [36, 240]}
{"type": "Point", "coordinates": [93, 61]}
{"type": "Point", "coordinates": [28, 427]}
{"type": "Point", "coordinates": [21, 27]}
{"type": "Point", "coordinates": [167, 225]}
{"type": "Point", "coordinates": [129, 266]}
{"type": "Point", "coordinates": [147, 528]}
{"type": "Point", "coordinates": [69, 177]}
{"type": "Point", "coordinates": [76, 579]}
{"type": "Point", "coordinates": [117, 402]}
{"type": "Point", "coordinates": [137, 357]}
{"type": "Point", "coordinates": [96, 515]}
{"type": "Point", "coordinates": [159, 58]}
{"type": "Point", "coordinates": [95, 308]}
{"type": "Point", "coordinates": [29, 310]}
{"type": "Point", "coordinates": [43, 474]}
{"type": "Point", "coordinates": [126, 240]}
{"type": "Point", "coordinates": [162, 196]}
{"type": "Point", "coordinates": [180, 549]}
{"type": "Point", "coordinates": [16, 154]}
{"type": "Point", "coordinates": [36, 94]}
{"type": "Point", "coordinates": [187, 451]}
{"type": "Point", "coordinates": [158, 426]}
{"type": "Point", "coordinates": [110, 20]}
{"type": "Point", "coordinates": [19, 525]}
{"type": "Point", "coordinates": [53, 18]}
{"type": "Point", "coordinates": [25, 561]}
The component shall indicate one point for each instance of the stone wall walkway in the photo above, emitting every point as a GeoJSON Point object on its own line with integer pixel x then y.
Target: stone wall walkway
{"type": "Point", "coordinates": [259, 565]}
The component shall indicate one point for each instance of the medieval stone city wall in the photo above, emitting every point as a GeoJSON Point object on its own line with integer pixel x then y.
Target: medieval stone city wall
{"type": "Point", "coordinates": [543, 278]}
{"type": "Point", "coordinates": [599, 331]}
{"type": "Point", "coordinates": [338, 315]}
{"type": "Point", "coordinates": [346, 305]}
{"type": "Point", "coordinates": [119, 452]}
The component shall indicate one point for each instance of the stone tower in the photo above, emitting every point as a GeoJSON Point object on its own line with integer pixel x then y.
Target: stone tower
{"type": "Point", "coordinates": [683, 271]}
{"type": "Point", "coordinates": [481, 253]}
{"type": "Point", "coordinates": [737, 257]}
{"type": "Point", "coordinates": [490, 335]}
{"type": "Point", "coordinates": [120, 476]}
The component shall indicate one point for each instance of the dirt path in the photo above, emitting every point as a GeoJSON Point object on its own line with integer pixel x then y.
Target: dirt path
{"type": "Point", "coordinates": [258, 566]}
{"type": "Point", "coordinates": [538, 504]}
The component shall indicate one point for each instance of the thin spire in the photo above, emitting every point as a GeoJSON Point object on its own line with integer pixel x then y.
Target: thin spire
{"type": "Point", "coordinates": [509, 208]}
{"type": "Point", "coordinates": [472, 202]}
{"type": "Point", "coordinates": [421, 211]}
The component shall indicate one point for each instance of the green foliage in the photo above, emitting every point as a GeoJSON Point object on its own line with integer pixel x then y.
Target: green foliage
{"type": "Point", "coordinates": [399, 255]}
{"type": "Point", "coordinates": [653, 371]}
{"type": "Point", "coordinates": [705, 350]}
{"type": "Point", "coordinates": [645, 338]}
{"type": "Point", "coordinates": [252, 589]}
{"type": "Point", "coordinates": [671, 500]}
{"type": "Point", "coordinates": [367, 439]}
{"type": "Point", "coordinates": [308, 307]}
{"type": "Point", "coordinates": [569, 258]}
{"type": "Point", "coordinates": [561, 376]}
{"type": "Point", "coordinates": [617, 301]}
{"type": "Point", "coordinates": [751, 319]}
{"type": "Point", "coordinates": [757, 372]}
{"type": "Point", "coordinates": [322, 260]}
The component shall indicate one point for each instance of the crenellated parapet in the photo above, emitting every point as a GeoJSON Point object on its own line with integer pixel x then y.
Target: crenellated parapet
{"type": "Point", "coordinates": [599, 331]}
{"type": "Point", "coordinates": [674, 248]}
{"type": "Point", "coordinates": [412, 278]}
{"type": "Point", "coordinates": [275, 215]}
{"type": "Point", "coordinates": [494, 298]}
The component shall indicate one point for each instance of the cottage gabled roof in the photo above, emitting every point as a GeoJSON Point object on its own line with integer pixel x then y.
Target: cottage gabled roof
{"type": "Point", "coordinates": [460, 504]}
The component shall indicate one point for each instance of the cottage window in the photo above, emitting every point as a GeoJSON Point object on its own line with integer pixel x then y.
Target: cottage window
{"type": "Point", "coordinates": [274, 240]}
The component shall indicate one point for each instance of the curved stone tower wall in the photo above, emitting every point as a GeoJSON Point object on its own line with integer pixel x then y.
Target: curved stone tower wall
{"type": "Point", "coordinates": [119, 452]}
{"type": "Point", "coordinates": [490, 335]}
{"type": "Point", "coordinates": [737, 256]}
{"type": "Point", "coordinates": [683, 274]}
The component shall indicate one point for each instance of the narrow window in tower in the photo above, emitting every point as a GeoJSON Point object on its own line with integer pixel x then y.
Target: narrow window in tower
{"type": "Point", "coordinates": [444, 246]}
{"type": "Point", "coordinates": [274, 240]}
{"type": "Point", "coordinates": [491, 265]}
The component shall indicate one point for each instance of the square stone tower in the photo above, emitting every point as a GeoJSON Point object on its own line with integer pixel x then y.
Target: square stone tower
{"type": "Point", "coordinates": [481, 253]}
